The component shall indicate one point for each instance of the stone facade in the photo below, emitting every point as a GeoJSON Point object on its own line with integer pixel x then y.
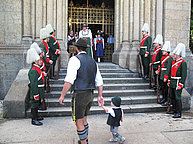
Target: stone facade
{"type": "Point", "coordinates": [11, 21]}
{"type": "Point", "coordinates": [21, 21]}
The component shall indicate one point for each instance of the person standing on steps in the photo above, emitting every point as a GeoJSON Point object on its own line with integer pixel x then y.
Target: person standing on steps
{"type": "Point", "coordinates": [177, 79]}
{"type": "Point", "coordinates": [156, 58]}
{"type": "Point", "coordinates": [99, 47]}
{"type": "Point", "coordinates": [164, 71]}
{"type": "Point", "coordinates": [83, 72]}
{"type": "Point", "coordinates": [87, 34]}
{"type": "Point", "coordinates": [144, 51]}
{"type": "Point", "coordinates": [36, 78]}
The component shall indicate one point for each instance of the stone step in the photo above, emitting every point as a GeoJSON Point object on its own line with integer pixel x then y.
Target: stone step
{"type": "Point", "coordinates": [104, 71]}
{"type": "Point", "coordinates": [129, 100]}
{"type": "Point", "coordinates": [108, 93]}
{"type": "Point", "coordinates": [66, 111]}
{"type": "Point", "coordinates": [111, 75]}
{"type": "Point", "coordinates": [59, 87]}
{"type": "Point", "coordinates": [109, 80]}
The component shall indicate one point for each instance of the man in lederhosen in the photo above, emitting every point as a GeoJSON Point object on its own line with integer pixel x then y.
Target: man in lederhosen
{"type": "Point", "coordinates": [144, 51]}
{"type": "Point", "coordinates": [86, 33]}
{"type": "Point", "coordinates": [84, 73]}
{"type": "Point", "coordinates": [177, 80]}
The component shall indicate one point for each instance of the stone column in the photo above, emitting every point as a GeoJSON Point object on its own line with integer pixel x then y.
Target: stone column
{"type": "Point", "coordinates": [116, 25]}
{"type": "Point", "coordinates": [39, 18]}
{"type": "Point", "coordinates": [27, 35]}
{"type": "Point", "coordinates": [125, 41]}
{"type": "Point", "coordinates": [118, 32]}
{"type": "Point", "coordinates": [148, 13]}
{"type": "Point", "coordinates": [33, 17]}
{"type": "Point", "coordinates": [153, 19]}
{"type": "Point", "coordinates": [141, 17]}
{"type": "Point", "coordinates": [132, 55]}
{"type": "Point", "coordinates": [50, 12]}
{"type": "Point", "coordinates": [159, 16]}
{"type": "Point", "coordinates": [44, 13]}
{"type": "Point", "coordinates": [63, 34]}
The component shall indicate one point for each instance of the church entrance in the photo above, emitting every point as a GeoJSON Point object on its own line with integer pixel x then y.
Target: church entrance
{"type": "Point", "coordinates": [99, 15]}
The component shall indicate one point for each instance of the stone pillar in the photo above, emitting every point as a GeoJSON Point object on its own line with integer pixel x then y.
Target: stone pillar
{"type": "Point", "coordinates": [148, 12]}
{"type": "Point", "coordinates": [63, 34]}
{"type": "Point", "coordinates": [27, 35]}
{"type": "Point", "coordinates": [159, 16]}
{"type": "Point", "coordinates": [116, 25]}
{"type": "Point", "coordinates": [50, 12]}
{"type": "Point", "coordinates": [44, 13]}
{"type": "Point", "coordinates": [125, 41]}
{"type": "Point", "coordinates": [153, 19]}
{"type": "Point", "coordinates": [141, 17]}
{"type": "Point", "coordinates": [39, 18]}
{"type": "Point", "coordinates": [33, 17]}
{"type": "Point", "coordinates": [119, 4]}
{"type": "Point", "coordinates": [132, 55]}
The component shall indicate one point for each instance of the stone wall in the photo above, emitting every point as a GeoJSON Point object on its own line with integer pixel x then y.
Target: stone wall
{"type": "Point", "coordinates": [10, 21]}
{"type": "Point", "coordinates": [10, 65]}
{"type": "Point", "coordinates": [177, 21]}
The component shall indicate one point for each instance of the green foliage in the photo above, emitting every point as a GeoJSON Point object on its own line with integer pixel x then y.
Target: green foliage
{"type": "Point", "coordinates": [191, 29]}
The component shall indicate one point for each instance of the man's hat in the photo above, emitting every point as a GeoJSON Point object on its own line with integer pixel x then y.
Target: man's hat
{"type": "Point", "coordinates": [49, 28]}
{"type": "Point", "coordinates": [180, 50]}
{"type": "Point", "coordinates": [32, 56]}
{"type": "Point", "coordinates": [99, 33]}
{"type": "Point", "coordinates": [166, 46]}
{"type": "Point", "coordinates": [44, 33]}
{"type": "Point", "coordinates": [116, 101]}
{"type": "Point", "coordinates": [159, 39]}
{"type": "Point", "coordinates": [82, 42]}
{"type": "Point", "coordinates": [36, 47]}
{"type": "Point", "coordinates": [84, 25]}
{"type": "Point", "coordinates": [145, 28]}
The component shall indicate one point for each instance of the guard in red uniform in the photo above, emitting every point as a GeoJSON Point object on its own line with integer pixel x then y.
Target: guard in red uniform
{"type": "Point", "coordinates": [164, 71]}
{"type": "Point", "coordinates": [157, 55]}
{"type": "Point", "coordinates": [177, 79]}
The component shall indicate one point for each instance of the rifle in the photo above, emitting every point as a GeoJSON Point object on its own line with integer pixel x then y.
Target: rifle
{"type": "Point", "coordinates": [169, 101]}
{"type": "Point", "coordinates": [57, 76]}
{"type": "Point", "coordinates": [151, 76]}
{"type": "Point", "coordinates": [48, 79]}
{"type": "Point", "coordinates": [140, 66]}
{"type": "Point", "coordinates": [158, 89]}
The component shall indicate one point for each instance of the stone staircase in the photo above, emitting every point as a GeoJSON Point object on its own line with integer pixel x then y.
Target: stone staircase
{"type": "Point", "coordinates": [134, 92]}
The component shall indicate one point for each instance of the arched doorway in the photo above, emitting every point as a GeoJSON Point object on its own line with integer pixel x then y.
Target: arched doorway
{"type": "Point", "coordinates": [99, 15]}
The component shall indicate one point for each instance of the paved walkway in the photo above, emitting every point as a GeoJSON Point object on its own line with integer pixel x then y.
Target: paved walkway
{"type": "Point", "coordinates": [140, 128]}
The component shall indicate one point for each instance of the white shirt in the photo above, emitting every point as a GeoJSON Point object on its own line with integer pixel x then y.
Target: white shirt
{"type": "Point", "coordinates": [112, 112]}
{"type": "Point", "coordinates": [74, 65]}
{"type": "Point", "coordinates": [83, 34]}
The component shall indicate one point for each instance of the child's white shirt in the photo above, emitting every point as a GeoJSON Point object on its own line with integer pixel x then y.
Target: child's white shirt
{"type": "Point", "coordinates": [112, 112]}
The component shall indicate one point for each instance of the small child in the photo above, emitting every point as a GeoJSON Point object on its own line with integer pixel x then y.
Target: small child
{"type": "Point", "coordinates": [114, 118]}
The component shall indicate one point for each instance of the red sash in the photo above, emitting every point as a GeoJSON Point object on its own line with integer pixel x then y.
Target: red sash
{"type": "Point", "coordinates": [175, 66]}
{"type": "Point", "coordinates": [144, 39]}
{"type": "Point", "coordinates": [37, 68]}
{"type": "Point", "coordinates": [56, 41]}
{"type": "Point", "coordinates": [155, 52]}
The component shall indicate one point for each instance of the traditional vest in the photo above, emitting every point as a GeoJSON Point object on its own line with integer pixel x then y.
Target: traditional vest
{"type": "Point", "coordinates": [115, 121]}
{"type": "Point", "coordinates": [99, 41]}
{"type": "Point", "coordinates": [86, 73]}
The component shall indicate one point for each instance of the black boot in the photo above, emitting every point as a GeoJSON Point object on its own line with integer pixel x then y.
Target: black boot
{"type": "Point", "coordinates": [35, 121]}
{"type": "Point", "coordinates": [170, 112]}
{"type": "Point", "coordinates": [177, 115]}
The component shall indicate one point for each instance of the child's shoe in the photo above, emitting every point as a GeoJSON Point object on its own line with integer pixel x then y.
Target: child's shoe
{"type": "Point", "coordinates": [122, 140]}
{"type": "Point", "coordinates": [113, 140]}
